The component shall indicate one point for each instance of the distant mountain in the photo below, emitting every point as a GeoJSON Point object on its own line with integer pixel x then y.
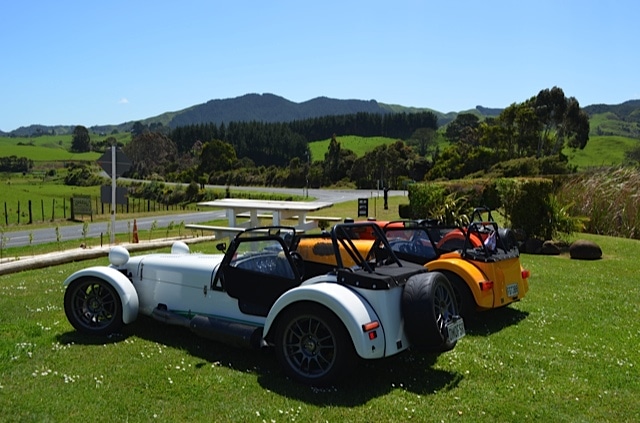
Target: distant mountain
{"type": "Point", "coordinates": [37, 130]}
{"type": "Point", "coordinates": [273, 108]}
{"type": "Point", "coordinates": [269, 108]}
{"type": "Point", "coordinates": [628, 111]}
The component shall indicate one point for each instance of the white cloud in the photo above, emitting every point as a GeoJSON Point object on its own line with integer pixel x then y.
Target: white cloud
{"type": "Point", "coordinates": [123, 100]}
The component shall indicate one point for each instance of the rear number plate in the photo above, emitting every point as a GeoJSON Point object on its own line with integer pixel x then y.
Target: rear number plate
{"type": "Point", "coordinates": [455, 330]}
{"type": "Point", "coordinates": [512, 290]}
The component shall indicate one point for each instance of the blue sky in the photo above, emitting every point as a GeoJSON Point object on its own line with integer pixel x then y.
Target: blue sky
{"type": "Point", "coordinates": [92, 63]}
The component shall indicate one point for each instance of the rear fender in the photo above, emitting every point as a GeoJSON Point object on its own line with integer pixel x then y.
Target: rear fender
{"type": "Point", "coordinates": [469, 273]}
{"type": "Point", "coordinates": [352, 310]}
{"type": "Point", "coordinates": [122, 285]}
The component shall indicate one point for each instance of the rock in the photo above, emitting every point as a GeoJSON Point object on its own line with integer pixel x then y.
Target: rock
{"type": "Point", "coordinates": [532, 246]}
{"type": "Point", "coordinates": [583, 249]}
{"type": "Point", "coordinates": [550, 248]}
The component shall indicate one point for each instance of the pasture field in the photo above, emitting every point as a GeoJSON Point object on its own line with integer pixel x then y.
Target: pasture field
{"type": "Point", "coordinates": [567, 352]}
{"type": "Point", "coordinates": [51, 151]}
{"type": "Point", "coordinates": [58, 141]}
{"type": "Point", "coordinates": [601, 151]}
{"type": "Point", "coordinates": [359, 145]}
{"type": "Point", "coordinates": [51, 203]}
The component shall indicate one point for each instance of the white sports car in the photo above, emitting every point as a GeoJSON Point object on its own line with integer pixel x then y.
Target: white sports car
{"type": "Point", "coordinates": [260, 292]}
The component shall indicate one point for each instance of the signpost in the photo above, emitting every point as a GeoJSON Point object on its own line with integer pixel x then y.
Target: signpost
{"type": "Point", "coordinates": [363, 207]}
{"type": "Point", "coordinates": [115, 163]}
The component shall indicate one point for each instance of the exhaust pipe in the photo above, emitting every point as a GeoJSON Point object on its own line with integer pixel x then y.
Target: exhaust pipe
{"type": "Point", "coordinates": [231, 333]}
{"type": "Point", "coordinates": [165, 316]}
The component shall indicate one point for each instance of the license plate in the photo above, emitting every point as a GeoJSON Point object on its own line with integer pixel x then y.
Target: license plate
{"type": "Point", "coordinates": [512, 290]}
{"type": "Point", "coordinates": [455, 330]}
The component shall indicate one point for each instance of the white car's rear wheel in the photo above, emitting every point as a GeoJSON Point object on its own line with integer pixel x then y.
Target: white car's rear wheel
{"type": "Point", "coordinates": [428, 305]}
{"type": "Point", "coordinates": [312, 345]}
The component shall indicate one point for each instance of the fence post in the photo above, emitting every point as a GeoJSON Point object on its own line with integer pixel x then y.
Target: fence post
{"type": "Point", "coordinates": [30, 214]}
{"type": "Point", "coordinates": [53, 210]}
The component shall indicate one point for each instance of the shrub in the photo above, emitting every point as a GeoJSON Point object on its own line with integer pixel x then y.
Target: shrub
{"type": "Point", "coordinates": [83, 176]}
{"type": "Point", "coordinates": [527, 206]}
{"type": "Point", "coordinates": [425, 199]}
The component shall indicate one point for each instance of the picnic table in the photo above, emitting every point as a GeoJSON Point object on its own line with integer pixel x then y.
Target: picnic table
{"type": "Point", "coordinates": [278, 211]}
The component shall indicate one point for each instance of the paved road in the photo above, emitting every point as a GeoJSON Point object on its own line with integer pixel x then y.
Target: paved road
{"type": "Point", "coordinates": [98, 229]}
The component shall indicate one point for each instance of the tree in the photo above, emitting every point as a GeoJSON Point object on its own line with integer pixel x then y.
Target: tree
{"type": "Point", "coordinates": [217, 156]}
{"type": "Point", "coordinates": [138, 129]}
{"type": "Point", "coordinates": [150, 153]}
{"type": "Point", "coordinates": [463, 129]}
{"type": "Point", "coordinates": [337, 161]}
{"type": "Point", "coordinates": [80, 141]}
{"type": "Point", "coordinates": [424, 139]}
{"type": "Point", "coordinates": [562, 119]}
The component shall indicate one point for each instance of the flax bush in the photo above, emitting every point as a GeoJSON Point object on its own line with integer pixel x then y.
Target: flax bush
{"type": "Point", "coordinates": [609, 198]}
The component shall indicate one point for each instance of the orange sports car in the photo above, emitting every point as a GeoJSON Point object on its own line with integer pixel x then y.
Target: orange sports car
{"type": "Point", "coordinates": [481, 260]}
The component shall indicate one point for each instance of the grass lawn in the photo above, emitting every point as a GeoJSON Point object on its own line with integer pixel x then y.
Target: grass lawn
{"type": "Point", "coordinates": [567, 352]}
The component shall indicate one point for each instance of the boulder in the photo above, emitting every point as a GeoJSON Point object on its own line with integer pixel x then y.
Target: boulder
{"type": "Point", "coordinates": [550, 248]}
{"type": "Point", "coordinates": [583, 249]}
{"type": "Point", "coordinates": [532, 246]}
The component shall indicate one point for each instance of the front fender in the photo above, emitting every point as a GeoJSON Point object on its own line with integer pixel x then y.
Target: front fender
{"type": "Point", "coordinates": [352, 310]}
{"type": "Point", "coordinates": [124, 287]}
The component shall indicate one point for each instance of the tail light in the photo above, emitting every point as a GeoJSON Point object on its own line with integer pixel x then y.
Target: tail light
{"type": "Point", "coordinates": [486, 285]}
{"type": "Point", "coordinates": [371, 329]}
{"type": "Point", "coordinates": [525, 273]}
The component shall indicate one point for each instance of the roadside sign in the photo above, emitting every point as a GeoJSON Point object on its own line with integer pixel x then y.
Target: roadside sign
{"type": "Point", "coordinates": [121, 195]}
{"type": "Point", "coordinates": [123, 164]}
{"type": "Point", "coordinates": [363, 207]}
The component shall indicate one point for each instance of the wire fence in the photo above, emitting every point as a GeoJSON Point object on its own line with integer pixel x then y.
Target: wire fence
{"type": "Point", "coordinates": [26, 212]}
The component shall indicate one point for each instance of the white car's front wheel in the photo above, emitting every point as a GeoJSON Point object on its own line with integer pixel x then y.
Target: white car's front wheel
{"type": "Point", "coordinates": [312, 345]}
{"type": "Point", "coordinates": [93, 306]}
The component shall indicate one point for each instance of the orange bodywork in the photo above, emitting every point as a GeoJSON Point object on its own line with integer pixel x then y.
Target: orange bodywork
{"type": "Point", "coordinates": [320, 250]}
{"type": "Point", "coordinates": [491, 282]}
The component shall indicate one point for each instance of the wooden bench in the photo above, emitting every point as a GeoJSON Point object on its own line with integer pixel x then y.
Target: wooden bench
{"type": "Point", "coordinates": [324, 221]}
{"type": "Point", "coordinates": [218, 231]}
{"type": "Point", "coordinates": [260, 215]}
{"type": "Point", "coordinates": [325, 218]}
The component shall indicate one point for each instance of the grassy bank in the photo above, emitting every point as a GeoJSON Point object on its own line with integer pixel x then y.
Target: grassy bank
{"type": "Point", "coordinates": [567, 352]}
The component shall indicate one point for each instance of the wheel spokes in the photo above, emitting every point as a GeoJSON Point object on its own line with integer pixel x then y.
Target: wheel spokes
{"type": "Point", "coordinates": [310, 346]}
{"type": "Point", "coordinates": [444, 306]}
{"type": "Point", "coordinates": [94, 305]}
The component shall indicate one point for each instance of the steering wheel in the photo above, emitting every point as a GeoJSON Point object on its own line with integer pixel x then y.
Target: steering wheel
{"type": "Point", "coordinates": [298, 261]}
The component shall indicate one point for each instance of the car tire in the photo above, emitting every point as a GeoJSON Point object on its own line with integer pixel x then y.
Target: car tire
{"type": "Point", "coordinates": [312, 345]}
{"type": "Point", "coordinates": [466, 302]}
{"type": "Point", "coordinates": [93, 306]}
{"type": "Point", "coordinates": [508, 237]}
{"type": "Point", "coordinates": [428, 304]}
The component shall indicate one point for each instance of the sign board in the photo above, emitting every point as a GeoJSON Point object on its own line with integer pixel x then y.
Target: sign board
{"type": "Point", "coordinates": [363, 207]}
{"type": "Point", "coordinates": [123, 164]}
{"type": "Point", "coordinates": [81, 204]}
{"type": "Point", "coordinates": [121, 194]}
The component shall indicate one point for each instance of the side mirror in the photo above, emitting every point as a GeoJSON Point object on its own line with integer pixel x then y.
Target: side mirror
{"type": "Point", "coordinates": [222, 247]}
